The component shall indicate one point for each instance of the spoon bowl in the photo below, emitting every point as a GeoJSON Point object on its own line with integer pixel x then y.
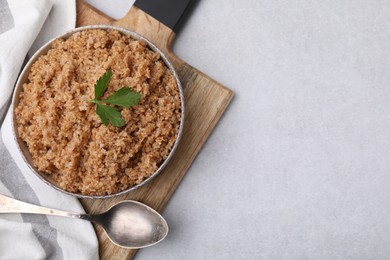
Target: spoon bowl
{"type": "Point", "coordinates": [129, 224]}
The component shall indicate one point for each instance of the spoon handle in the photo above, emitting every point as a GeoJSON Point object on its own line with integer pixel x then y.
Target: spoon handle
{"type": "Point", "coordinates": [10, 205]}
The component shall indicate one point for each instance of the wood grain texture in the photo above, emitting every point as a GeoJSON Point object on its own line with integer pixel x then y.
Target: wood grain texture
{"type": "Point", "coordinates": [205, 101]}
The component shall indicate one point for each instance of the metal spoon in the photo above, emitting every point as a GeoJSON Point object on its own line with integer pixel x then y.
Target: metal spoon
{"type": "Point", "coordinates": [129, 224]}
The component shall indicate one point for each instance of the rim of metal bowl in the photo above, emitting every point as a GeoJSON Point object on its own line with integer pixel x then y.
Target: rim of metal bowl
{"type": "Point", "coordinates": [22, 147]}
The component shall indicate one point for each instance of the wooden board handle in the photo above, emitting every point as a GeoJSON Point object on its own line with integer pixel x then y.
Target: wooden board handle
{"type": "Point", "coordinates": [135, 20]}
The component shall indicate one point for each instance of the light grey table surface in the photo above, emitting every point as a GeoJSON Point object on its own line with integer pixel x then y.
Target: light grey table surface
{"type": "Point", "coordinates": [299, 165]}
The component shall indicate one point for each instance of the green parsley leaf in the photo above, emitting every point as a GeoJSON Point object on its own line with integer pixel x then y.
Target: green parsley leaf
{"type": "Point", "coordinates": [102, 113]}
{"type": "Point", "coordinates": [107, 113]}
{"type": "Point", "coordinates": [124, 97]}
{"type": "Point", "coordinates": [102, 84]}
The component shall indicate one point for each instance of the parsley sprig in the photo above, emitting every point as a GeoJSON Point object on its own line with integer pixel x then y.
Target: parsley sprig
{"type": "Point", "coordinates": [124, 97]}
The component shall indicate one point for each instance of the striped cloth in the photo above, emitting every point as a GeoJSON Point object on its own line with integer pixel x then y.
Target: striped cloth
{"type": "Point", "coordinates": [24, 26]}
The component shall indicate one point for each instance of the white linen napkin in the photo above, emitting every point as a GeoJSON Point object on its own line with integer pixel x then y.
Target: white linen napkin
{"type": "Point", "coordinates": [25, 236]}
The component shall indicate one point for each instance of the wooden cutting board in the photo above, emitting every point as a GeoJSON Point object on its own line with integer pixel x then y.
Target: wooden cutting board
{"type": "Point", "coordinates": [205, 101]}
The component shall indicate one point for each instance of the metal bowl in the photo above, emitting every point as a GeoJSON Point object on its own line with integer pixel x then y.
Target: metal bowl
{"type": "Point", "coordinates": [23, 78]}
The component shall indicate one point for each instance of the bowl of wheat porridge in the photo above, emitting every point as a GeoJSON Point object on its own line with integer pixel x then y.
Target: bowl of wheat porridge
{"type": "Point", "coordinates": [82, 147]}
